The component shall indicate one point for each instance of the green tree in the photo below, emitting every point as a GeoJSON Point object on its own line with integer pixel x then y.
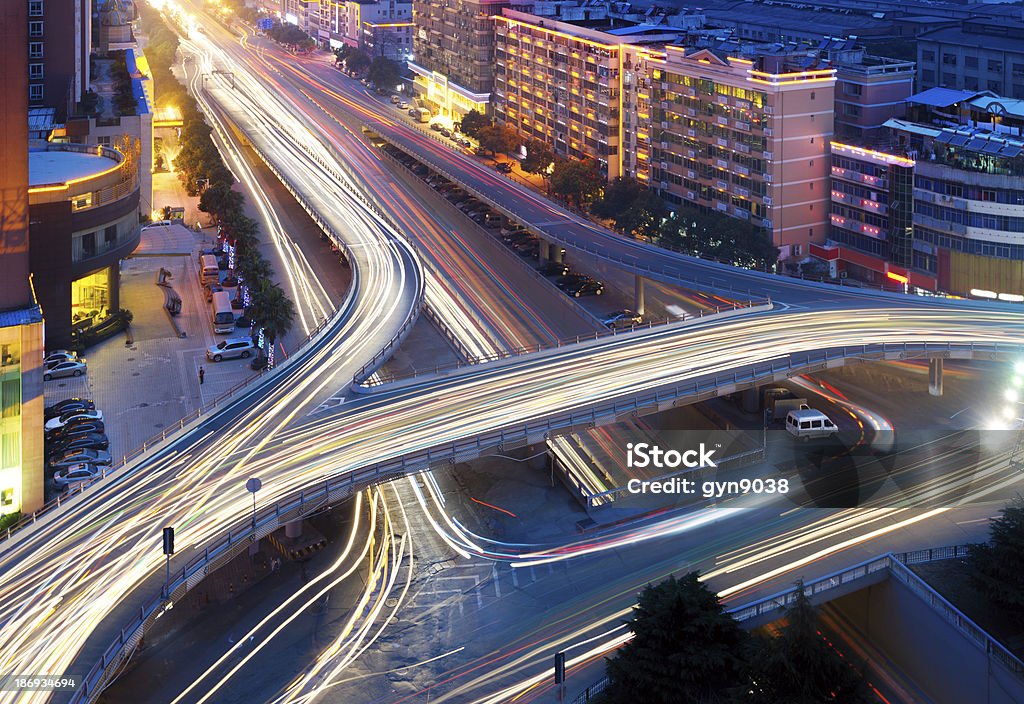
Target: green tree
{"type": "Point", "coordinates": [578, 181]}
{"type": "Point", "coordinates": [713, 235]}
{"type": "Point", "coordinates": [221, 201]}
{"type": "Point", "coordinates": [472, 122]}
{"type": "Point", "coordinates": [385, 73]}
{"type": "Point", "coordinates": [685, 649]}
{"type": "Point", "coordinates": [271, 310]}
{"type": "Point", "coordinates": [643, 217]}
{"type": "Point", "coordinates": [357, 61]}
{"type": "Point", "coordinates": [340, 53]}
{"type": "Point", "coordinates": [243, 232]}
{"type": "Point", "coordinates": [539, 158]}
{"type": "Point", "coordinates": [618, 195]}
{"type": "Point", "coordinates": [801, 667]}
{"type": "Point", "coordinates": [253, 265]}
{"type": "Point", "coordinates": [499, 139]}
{"type": "Point", "coordinates": [999, 564]}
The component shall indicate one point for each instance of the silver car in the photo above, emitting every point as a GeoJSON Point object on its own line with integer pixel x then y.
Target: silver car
{"type": "Point", "coordinates": [82, 455]}
{"type": "Point", "coordinates": [231, 349]}
{"type": "Point", "coordinates": [77, 473]}
{"type": "Point", "coordinates": [72, 367]}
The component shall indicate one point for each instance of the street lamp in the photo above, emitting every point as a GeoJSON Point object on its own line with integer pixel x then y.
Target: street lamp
{"type": "Point", "coordinates": [252, 486]}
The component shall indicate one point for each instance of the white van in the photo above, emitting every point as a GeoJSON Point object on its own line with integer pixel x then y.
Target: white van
{"type": "Point", "coordinates": [807, 423]}
{"type": "Point", "coordinates": [223, 315]}
{"type": "Point", "coordinates": [209, 272]}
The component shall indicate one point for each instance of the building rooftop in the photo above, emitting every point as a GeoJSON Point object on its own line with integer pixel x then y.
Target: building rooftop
{"type": "Point", "coordinates": [983, 36]}
{"type": "Point", "coordinates": [56, 166]}
{"type": "Point", "coordinates": [942, 97]}
{"type": "Point", "coordinates": [20, 316]}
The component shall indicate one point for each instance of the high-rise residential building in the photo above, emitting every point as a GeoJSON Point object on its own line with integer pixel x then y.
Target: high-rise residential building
{"type": "Point", "coordinates": [453, 53]}
{"type": "Point", "coordinates": [746, 138]}
{"type": "Point", "coordinates": [60, 40]}
{"type": "Point", "coordinates": [869, 91]}
{"type": "Point", "coordinates": [872, 219]}
{"type": "Point", "coordinates": [979, 54]}
{"type": "Point", "coordinates": [21, 323]}
{"type": "Point", "coordinates": [570, 85]}
{"type": "Point", "coordinates": [381, 27]}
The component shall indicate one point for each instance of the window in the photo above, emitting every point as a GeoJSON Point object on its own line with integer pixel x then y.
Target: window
{"type": "Point", "coordinates": [110, 235]}
{"type": "Point", "coordinates": [810, 232]}
{"type": "Point", "coordinates": [812, 95]}
{"type": "Point", "coordinates": [35, 50]}
{"type": "Point", "coordinates": [35, 29]}
{"type": "Point", "coordinates": [995, 66]}
{"type": "Point", "coordinates": [35, 71]}
{"type": "Point", "coordinates": [797, 249]}
{"type": "Point", "coordinates": [35, 92]}
{"type": "Point", "coordinates": [970, 83]}
{"type": "Point", "coordinates": [928, 55]}
{"type": "Point", "coordinates": [852, 110]}
{"type": "Point", "coordinates": [949, 59]}
{"type": "Point", "coordinates": [995, 86]}
{"type": "Point", "coordinates": [35, 8]}
{"type": "Point", "coordinates": [971, 61]}
{"type": "Point", "coordinates": [89, 244]}
{"type": "Point", "coordinates": [853, 89]}
{"type": "Point", "coordinates": [103, 140]}
{"type": "Point", "coordinates": [928, 76]}
{"type": "Point", "coordinates": [949, 79]}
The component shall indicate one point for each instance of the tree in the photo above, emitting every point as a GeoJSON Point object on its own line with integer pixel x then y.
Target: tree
{"type": "Point", "coordinates": [801, 667]}
{"type": "Point", "coordinates": [242, 231]}
{"type": "Point", "coordinates": [253, 265]}
{"type": "Point", "coordinates": [998, 566]}
{"type": "Point", "coordinates": [578, 181]}
{"type": "Point", "coordinates": [472, 123]}
{"type": "Point", "coordinates": [643, 217]}
{"type": "Point", "coordinates": [618, 195]}
{"type": "Point", "coordinates": [271, 310]}
{"type": "Point", "coordinates": [357, 61]}
{"type": "Point", "coordinates": [499, 139]}
{"type": "Point", "coordinates": [713, 235]}
{"type": "Point", "coordinates": [539, 157]}
{"type": "Point", "coordinates": [685, 649]}
{"type": "Point", "coordinates": [221, 201]}
{"type": "Point", "coordinates": [384, 73]}
{"type": "Point", "coordinates": [340, 53]}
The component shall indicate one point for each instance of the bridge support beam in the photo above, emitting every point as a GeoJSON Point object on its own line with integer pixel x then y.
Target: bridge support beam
{"type": "Point", "coordinates": [293, 529]}
{"type": "Point", "coordinates": [935, 376]}
{"type": "Point", "coordinates": [638, 295]}
{"type": "Point", "coordinates": [545, 250]}
{"type": "Point", "coordinates": [555, 252]}
{"type": "Point", "coordinates": [751, 399]}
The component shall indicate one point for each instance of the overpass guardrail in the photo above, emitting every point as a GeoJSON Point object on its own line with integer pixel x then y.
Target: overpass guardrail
{"type": "Point", "coordinates": [333, 489]}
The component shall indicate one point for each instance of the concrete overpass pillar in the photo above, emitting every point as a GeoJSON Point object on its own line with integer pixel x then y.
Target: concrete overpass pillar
{"type": "Point", "coordinates": [638, 295]}
{"type": "Point", "coordinates": [293, 529]}
{"type": "Point", "coordinates": [751, 399]}
{"type": "Point", "coordinates": [545, 250]}
{"type": "Point", "coordinates": [555, 253]}
{"type": "Point", "coordinates": [935, 376]}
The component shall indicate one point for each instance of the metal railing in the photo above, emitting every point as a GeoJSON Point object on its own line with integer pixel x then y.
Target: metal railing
{"type": "Point", "coordinates": [473, 360]}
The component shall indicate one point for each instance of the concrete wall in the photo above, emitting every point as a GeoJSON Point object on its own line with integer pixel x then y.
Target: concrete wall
{"type": "Point", "coordinates": [950, 668]}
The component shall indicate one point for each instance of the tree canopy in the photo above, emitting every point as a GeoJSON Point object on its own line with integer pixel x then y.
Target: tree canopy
{"type": "Point", "coordinates": [499, 139]}
{"type": "Point", "coordinates": [713, 235]}
{"type": "Point", "coordinates": [579, 181]}
{"type": "Point", "coordinates": [539, 158]}
{"type": "Point", "coordinates": [800, 666]}
{"type": "Point", "coordinates": [385, 73]}
{"type": "Point", "coordinates": [473, 122]}
{"type": "Point", "coordinates": [357, 61]}
{"type": "Point", "coordinates": [999, 565]}
{"type": "Point", "coordinates": [685, 649]}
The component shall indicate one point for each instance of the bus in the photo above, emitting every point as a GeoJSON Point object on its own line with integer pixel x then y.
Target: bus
{"type": "Point", "coordinates": [209, 271]}
{"type": "Point", "coordinates": [223, 315]}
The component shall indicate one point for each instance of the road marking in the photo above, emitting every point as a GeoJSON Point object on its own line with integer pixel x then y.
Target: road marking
{"type": "Point", "coordinates": [494, 577]}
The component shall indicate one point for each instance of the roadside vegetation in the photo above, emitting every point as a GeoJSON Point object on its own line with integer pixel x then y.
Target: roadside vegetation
{"type": "Point", "coordinates": [203, 173]}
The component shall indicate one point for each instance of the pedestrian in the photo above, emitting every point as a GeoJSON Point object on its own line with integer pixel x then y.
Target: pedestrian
{"type": "Point", "coordinates": [202, 373]}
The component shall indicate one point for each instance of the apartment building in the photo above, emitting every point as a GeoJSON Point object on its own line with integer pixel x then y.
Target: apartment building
{"type": "Point", "coordinates": [453, 53]}
{"type": "Point", "coordinates": [572, 86]}
{"type": "Point", "coordinates": [872, 219]}
{"type": "Point", "coordinates": [747, 138]}
{"type": "Point", "coordinates": [382, 28]}
{"type": "Point", "coordinates": [59, 42]}
{"type": "Point", "coordinates": [979, 54]}
{"type": "Point", "coordinates": [869, 91]}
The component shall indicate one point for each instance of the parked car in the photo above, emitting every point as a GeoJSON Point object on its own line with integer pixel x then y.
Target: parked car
{"type": "Point", "coordinates": [588, 287]}
{"type": "Point", "coordinates": [445, 132]}
{"type": "Point", "coordinates": [570, 280]}
{"type": "Point", "coordinates": [67, 405]}
{"type": "Point", "coordinates": [504, 167]}
{"type": "Point", "coordinates": [526, 243]}
{"type": "Point", "coordinates": [231, 349]}
{"type": "Point", "coordinates": [554, 269]}
{"type": "Point", "coordinates": [436, 126]}
{"type": "Point", "coordinates": [463, 142]}
{"type": "Point", "coordinates": [517, 236]}
{"type": "Point", "coordinates": [395, 100]}
{"type": "Point", "coordinates": [414, 112]}
{"type": "Point", "coordinates": [71, 368]}
{"type": "Point", "coordinates": [622, 319]}
{"type": "Point", "coordinates": [58, 356]}
{"type": "Point", "coordinates": [81, 455]}
{"type": "Point", "coordinates": [96, 441]}
{"type": "Point", "coordinates": [63, 419]}
{"type": "Point", "coordinates": [403, 104]}
{"type": "Point", "coordinates": [75, 429]}
{"type": "Point", "coordinates": [480, 151]}
{"type": "Point", "coordinates": [76, 473]}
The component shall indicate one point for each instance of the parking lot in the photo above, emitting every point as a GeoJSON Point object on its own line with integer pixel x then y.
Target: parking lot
{"type": "Point", "coordinates": [146, 381]}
